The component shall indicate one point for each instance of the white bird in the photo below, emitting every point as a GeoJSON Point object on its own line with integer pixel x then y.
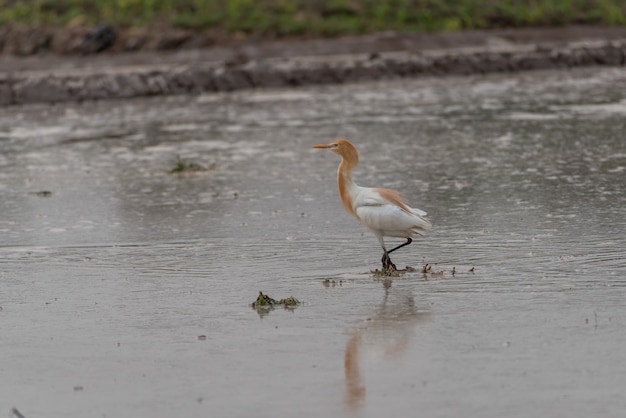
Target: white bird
{"type": "Point", "coordinates": [382, 211]}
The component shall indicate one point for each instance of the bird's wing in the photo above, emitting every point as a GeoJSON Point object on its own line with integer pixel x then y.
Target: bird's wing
{"type": "Point", "coordinates": [385, 211]}
{"type": "Point", "coordinates": [394, 197]}
{"type": "Point", "coordinates": [390, 196]}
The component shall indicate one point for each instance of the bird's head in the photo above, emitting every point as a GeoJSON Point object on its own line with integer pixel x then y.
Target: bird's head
{"type": "Point", "coordinates": [344, 148]}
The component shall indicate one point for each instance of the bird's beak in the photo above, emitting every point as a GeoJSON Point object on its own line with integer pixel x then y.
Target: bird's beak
{"type": "Point", "coordinates": [322, 146]}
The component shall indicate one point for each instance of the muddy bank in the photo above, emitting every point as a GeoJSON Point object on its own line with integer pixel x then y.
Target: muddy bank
{"type": "Point", "coordinates": [78, 40]}
{"type": "Point", "coordinates": [289, 64]}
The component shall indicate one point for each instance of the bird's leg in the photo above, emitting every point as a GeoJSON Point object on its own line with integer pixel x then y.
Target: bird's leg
{"type": "Point", "coordinates": [408, 241]}
{"type": "Point", "coordinates": [387, 264]}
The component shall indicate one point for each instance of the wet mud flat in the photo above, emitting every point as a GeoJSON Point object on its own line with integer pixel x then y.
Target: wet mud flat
{"type": "Point", "coordinates": [53, 79]}
{"type": "Point", "coordinates": [126, 287]}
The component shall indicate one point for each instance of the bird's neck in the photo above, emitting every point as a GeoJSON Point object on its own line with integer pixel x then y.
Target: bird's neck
{"type": "Point", "coordinates": [346, 186]}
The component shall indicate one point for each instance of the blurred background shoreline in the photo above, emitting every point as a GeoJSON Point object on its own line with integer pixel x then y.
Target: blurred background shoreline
{"type": "Point", "coordinates": [89, 26]}
{"type": "Point", "coordinates": [72, 50]}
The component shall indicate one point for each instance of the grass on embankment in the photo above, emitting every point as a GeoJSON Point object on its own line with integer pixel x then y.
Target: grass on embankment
{"type": "Point", "coordinates": [276, 18]}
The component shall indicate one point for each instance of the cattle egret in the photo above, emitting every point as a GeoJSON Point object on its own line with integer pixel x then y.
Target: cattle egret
{"type": "Point", "coordinates": [382, 211]}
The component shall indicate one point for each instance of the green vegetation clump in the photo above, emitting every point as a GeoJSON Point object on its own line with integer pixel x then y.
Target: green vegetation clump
{"type": "Point", "coordinates": [185, 167]}
{"type": "Point", "coordinates": [263, 300]}
{"type": "Point", "coordinates": [264, 304]}
{"type": "Point", "coordinates": [290, 301]}
{"type": "Point", "coordinates": [280, 18]}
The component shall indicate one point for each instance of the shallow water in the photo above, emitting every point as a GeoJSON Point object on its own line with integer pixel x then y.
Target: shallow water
{"type": "Point", "coordinates": [109, 280]}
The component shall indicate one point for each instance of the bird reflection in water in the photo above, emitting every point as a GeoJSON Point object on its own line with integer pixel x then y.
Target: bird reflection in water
{"type": "Point", "coordinates": [388, 335]}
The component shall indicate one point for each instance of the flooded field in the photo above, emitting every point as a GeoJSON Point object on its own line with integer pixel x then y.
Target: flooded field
{"type": "Point", "coordinates": [125, 289]}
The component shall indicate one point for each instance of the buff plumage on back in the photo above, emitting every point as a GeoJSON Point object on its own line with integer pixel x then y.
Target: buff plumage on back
{"type": "Point", "coordinates": [394, 197]}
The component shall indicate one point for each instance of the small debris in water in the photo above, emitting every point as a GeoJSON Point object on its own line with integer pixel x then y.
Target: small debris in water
{"type": "Point", "coordinates": [42, 193]}
{"type": "Point", "coordinates": [332, 283]}
{"type": "Point", "coordinates": [202, 337]}
{"type": "Point", "coordinates": [264, 304]}
{"type": "Point", "coordinates": [78, 388]}
{"type": "Point", "coordinates": [186, 167]}
{"type": "Point", "coordinates": [17, 413]}
{"type": "Point", "coordinates": [426, 270]}
{"type": "Point", "coordinates": [387, 273]}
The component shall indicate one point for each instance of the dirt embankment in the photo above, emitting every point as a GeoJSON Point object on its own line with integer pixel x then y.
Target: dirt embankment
{"type": "Point", "coordinates": [50, 78]}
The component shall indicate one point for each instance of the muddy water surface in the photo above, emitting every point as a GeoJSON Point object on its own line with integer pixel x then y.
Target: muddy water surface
{"type": "Point", "coordinates": [125, 290]}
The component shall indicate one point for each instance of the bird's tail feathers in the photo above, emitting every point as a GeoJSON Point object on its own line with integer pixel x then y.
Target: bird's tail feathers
{"type": "Point", "coordinates": [422, 226]}
{"type": "Point", "coordinates": [418, 212]}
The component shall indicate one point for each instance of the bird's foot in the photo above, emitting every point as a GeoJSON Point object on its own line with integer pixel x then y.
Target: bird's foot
{"type": "Point", "coordinates": [387, 264]}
